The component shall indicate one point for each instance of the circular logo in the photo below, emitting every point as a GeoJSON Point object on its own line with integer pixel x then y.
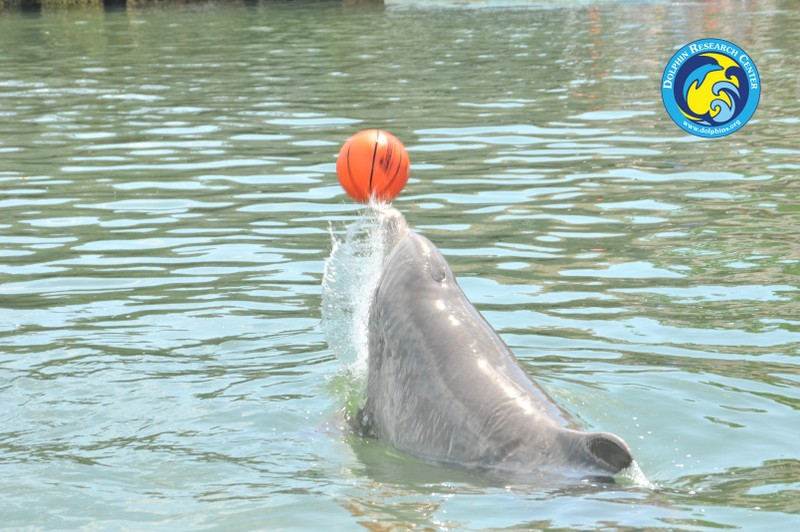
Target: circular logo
{"type": "Point", "coordinates": [710, 88]}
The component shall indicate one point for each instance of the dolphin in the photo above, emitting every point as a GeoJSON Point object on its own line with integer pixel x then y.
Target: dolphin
{"type": "Point", "coordinates": [443, 387]}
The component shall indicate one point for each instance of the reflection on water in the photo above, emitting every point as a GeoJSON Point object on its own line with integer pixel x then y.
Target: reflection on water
{"type": "Point", "coordinates": [166, 188]}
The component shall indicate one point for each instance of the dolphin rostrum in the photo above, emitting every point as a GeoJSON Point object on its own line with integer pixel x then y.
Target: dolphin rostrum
{"type": "Point", "coordinates": [444, 387]}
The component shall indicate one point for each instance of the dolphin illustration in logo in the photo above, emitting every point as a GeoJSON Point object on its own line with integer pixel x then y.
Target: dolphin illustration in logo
{"type": "Point", "coordinates": [713, 89]}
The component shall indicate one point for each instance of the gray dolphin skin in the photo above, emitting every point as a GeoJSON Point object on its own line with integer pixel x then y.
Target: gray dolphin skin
{"type": "Point", "coordinates": [443, 386]}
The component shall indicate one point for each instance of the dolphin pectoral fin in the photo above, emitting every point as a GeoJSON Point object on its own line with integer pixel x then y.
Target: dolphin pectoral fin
{"type": "Point", "coordinates": [609, 450]}
{"type": "Point", "coordinates": [361, 423]}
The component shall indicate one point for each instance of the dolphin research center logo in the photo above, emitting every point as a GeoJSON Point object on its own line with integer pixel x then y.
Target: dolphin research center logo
{"type": "Point", "coordinates": [710, 88]}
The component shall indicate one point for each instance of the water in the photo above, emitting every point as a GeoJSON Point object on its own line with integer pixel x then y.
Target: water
{"type": "Point", "coordinates": [167, 196]}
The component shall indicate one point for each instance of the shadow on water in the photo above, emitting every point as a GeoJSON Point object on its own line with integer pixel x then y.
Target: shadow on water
{"type": "Point", "coordinates": [112, 6]}
{"type": "Point", "coordinates": [398, 490]}
{"type": "Point", "coordinates": [402, 491]}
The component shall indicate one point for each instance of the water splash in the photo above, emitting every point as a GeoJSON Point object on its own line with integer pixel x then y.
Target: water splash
{"type": "Point", "coordinates": [351, 274]}
{"type": "Point", "coordinates": [635, 475]}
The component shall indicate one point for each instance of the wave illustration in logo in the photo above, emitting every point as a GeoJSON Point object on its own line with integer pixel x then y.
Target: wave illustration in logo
{"type": "Point", "coordinates": [711, 89]}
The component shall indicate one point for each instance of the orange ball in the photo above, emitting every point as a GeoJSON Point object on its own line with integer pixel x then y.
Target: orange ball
{"type": "Point", "coordinates": [373, 162]}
